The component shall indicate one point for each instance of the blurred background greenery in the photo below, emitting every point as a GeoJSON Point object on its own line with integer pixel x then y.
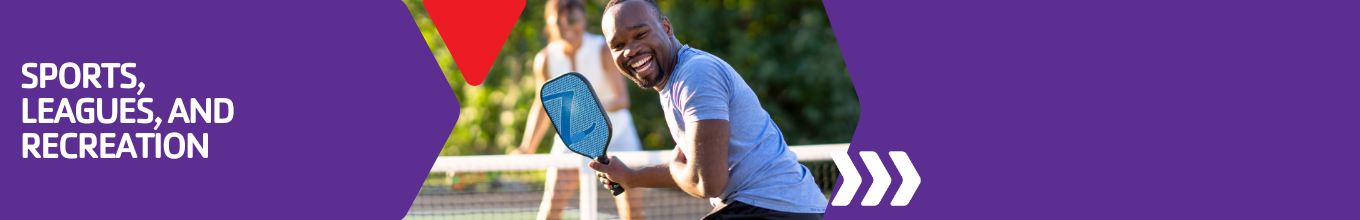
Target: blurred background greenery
{"type": "Point", "coordinates": [785, 50]}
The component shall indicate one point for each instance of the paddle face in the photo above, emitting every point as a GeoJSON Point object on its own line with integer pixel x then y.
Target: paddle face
{"type": "Point", "coordinates": [579, 118]}
{"type": "Point", "coordinates": [577, 114]}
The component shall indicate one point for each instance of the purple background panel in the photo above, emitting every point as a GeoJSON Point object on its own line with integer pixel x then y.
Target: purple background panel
{"type": "Point", "coordinates": [340, 108]}
{"type": "Point", "coordinates": [1108, 110]}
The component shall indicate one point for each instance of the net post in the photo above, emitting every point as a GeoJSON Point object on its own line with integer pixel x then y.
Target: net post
{"type": "Point", "coordinates": [588, 187]}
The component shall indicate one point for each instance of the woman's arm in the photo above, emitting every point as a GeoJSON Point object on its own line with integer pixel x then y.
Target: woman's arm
{"type": "Point", "coordinates": [535, 127]}
{"type": "Point", "coordinates": [614, 82]}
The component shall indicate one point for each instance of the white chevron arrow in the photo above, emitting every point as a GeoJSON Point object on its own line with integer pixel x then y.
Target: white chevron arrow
{"type": "Point", "coordinates": [848, 173]}
{"type": "Point", "coordinates": [882, 179]}
{"type": "Point", "coordinates": [910, 179]}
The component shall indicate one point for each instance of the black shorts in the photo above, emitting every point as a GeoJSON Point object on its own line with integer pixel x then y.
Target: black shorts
{"type": "Point", "coordinates": [742, 211]}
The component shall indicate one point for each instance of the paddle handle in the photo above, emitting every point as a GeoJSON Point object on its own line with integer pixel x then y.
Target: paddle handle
{"type": "Point", "coordinates": [613, 186]}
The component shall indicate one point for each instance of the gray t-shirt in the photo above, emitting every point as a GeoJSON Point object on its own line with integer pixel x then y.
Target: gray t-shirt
{"type": "Point", "coordinates": [763, 171]}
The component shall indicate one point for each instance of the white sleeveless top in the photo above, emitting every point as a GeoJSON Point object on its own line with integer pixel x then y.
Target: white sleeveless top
{"type": "Point", "coordinates": [588, 63]}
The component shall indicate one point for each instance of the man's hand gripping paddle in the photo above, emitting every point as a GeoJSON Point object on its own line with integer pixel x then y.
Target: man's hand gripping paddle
{"type": "Point", "coordinates": [579, 118]}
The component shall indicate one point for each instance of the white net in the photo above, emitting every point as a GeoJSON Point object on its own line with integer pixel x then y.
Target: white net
{"type": "Point", "coordinates": [512, 187]}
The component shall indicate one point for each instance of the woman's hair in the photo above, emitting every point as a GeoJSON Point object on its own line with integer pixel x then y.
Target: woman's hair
{"type": "Point", "coordinates": [555, 7]}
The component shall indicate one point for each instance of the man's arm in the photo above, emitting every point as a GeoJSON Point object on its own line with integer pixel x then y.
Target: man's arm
{"type": "Point", "coordinates": [654, 176]}
{"type": "Point", "coordinates": [702, 175]}
{"type": "Point", "coordinates": [700, 164]}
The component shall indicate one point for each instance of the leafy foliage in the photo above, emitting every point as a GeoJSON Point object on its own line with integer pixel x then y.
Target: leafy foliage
{"type": "Point", "coordinates": [785, 50]}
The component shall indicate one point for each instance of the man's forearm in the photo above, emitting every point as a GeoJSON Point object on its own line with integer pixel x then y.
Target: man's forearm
{"type": "Point", "coordinates": [654, 176]}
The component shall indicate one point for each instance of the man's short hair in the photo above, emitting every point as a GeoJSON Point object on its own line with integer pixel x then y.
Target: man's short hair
{"type": "Point", "coordinates": [656, 10]}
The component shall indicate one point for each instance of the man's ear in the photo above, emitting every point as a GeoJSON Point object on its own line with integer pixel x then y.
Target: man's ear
{"type": "Point", "coordinates": [666, 25]}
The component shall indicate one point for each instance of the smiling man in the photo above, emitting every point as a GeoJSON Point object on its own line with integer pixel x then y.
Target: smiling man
{"type": "Point", "coordinates": [729, 150]}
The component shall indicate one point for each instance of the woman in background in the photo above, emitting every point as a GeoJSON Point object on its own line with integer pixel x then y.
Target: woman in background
{"type": "Point", "coordinates": [570, 48]}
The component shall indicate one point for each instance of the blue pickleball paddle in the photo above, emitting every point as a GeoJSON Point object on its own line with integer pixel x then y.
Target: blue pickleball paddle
{"type": "Point", "coordinates": [579, 118]}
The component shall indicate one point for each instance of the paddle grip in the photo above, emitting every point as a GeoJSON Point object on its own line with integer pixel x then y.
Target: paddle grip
{"type": "Point", "coordinates": [614, 187]}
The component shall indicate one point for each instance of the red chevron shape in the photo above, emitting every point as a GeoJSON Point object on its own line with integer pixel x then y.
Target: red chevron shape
{"type": "Point", "coordinates": [474, 31]}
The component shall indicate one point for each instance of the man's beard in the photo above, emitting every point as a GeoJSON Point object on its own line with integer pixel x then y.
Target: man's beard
{"type": "Point", "coordinates": [649, 83]}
